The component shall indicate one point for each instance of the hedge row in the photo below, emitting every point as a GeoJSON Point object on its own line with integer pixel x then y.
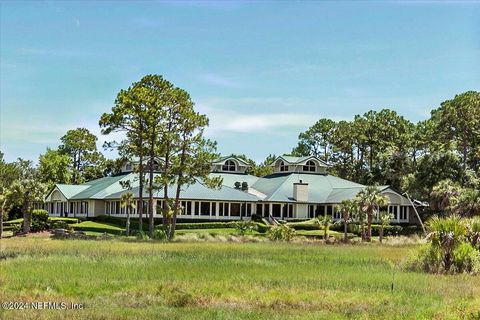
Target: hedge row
{"type": "Point", "coordinates": [120, 222]}
{"type": "Point", "coordinates": [394, 229]}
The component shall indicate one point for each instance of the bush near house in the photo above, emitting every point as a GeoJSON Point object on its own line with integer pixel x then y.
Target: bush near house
{"type": "Point", "coordinates": [391, 230]}
{"type": "Point", "coordinates": [39, 220]}
{"type": "Point", "coordinates": [120, 222]}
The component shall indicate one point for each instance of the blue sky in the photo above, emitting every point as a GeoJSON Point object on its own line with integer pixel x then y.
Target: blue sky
{"type": "Point", "coordinates": [261, 71]}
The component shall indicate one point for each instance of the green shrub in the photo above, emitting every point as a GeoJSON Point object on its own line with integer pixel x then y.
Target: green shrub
{"type": "Point", "coordinates": [281, 232]}
{"type": "Point", "coordinates": [466, 258]}
{"type": "Point", "coordinates": [159, 234]}
{"type": "Point", "coordinates": [16, 228]}
{"type": "Point", "coordinates": [390, 230]}
{"type": "Point", "coordinates": [427, 259]}
{"type": "Point", "coordinates": [39, 220]}
{"type": "Point", "coordinates": [262, 228]}
{"type": "Point", "coordinates": [58, 224]}
{"type": "Point", "coordinates": [243, 227]}
{"type": "Point", "coordinates": [142, 236]}
{"type": "Point", "coordinates": [450, 249]}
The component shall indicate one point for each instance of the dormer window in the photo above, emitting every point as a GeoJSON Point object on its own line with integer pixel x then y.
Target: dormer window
{"type": "Point", "coordinates": [283, 167]}
{"type": "Point", "coordinates": [309, 166]}
{"type": "Point", "coordinates": [229, 166]}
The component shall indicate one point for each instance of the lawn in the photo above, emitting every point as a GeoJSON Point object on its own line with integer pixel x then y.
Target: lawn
{"type": "Point", "coordinates": [120, 280]}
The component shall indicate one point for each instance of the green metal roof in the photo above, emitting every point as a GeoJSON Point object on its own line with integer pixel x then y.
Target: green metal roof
{"type": "Point", "coordinates": [69, 190]}
{"type": "Point", "coordinates": [196, 191]}
{"type": "Point", "coordinates": [229, 179]}
{"type": "Point", "coordinates": [98, 186]}
{"type": "Point", "coordinates": [279, 187]}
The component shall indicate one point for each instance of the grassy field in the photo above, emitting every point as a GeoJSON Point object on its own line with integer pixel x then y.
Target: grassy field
{"type": "Point", "coordinates": [151, 280]}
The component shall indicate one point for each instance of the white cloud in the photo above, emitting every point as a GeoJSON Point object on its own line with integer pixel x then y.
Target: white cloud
{"type": "Point", "coordinates": [259, 123]}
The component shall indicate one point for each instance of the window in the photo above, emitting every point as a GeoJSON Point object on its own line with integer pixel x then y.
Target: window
{"type": "Point", "coordinates": [393, 210]}
{"type": "Point", "coordinates": [249, 209]}
{"type": "Point", "coordinates": [259, 209]}
{"type": "Point", "coordinates": [229, 166]}
{"type": "Point", "coordinates": [329, 210]}
{"type": "Point", "coordinates": [336, 214]}
{"type": "Point", "coordinates": [290, 210]}
{"type": "Point", "coordinates": [276, 210]}
{"type": "Point", "coordinates": [189, 208]}
{"type": "Point", "coordinates": [214, 209]}
{"type": "Point", "coordinates": [235, 209]}
{"type": "Point", "coordinates": [266, 210]}
{"type": "Point", "coordinates": [196, 212]}
{"type": "Point", "coordinates": [220, 209]}
{"type": "Point", "coordinates": [309, 166]}
{"type": "Point", "coordinates": [404, 213]}
{"type": "Point", "coordinates": [283, 167]}
{"type": "Point", "coordinates": [128, 167]}
{"type": "Point", "coordinates": [205, 208]}
{"type": "Point", "coordinates": [226, 209]}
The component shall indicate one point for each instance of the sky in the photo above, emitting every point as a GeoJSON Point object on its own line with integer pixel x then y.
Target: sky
{"type": "Point", "coordinates": [261, 71]}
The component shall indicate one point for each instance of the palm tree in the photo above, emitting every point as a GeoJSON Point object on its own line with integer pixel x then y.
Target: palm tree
{"type": "Point", "coordinates": [127, 203]}
{"type": "Point", "coordinates": [347, 208]}
{"type": "Point", "coordinates": [360, 217]}
{"type": "Point", "coordinates": [324, 222]}
{"type": "Point", "coordinates": [370, 200]}
{"type": "Point", "coordinates": [474, 232]}
{"type": "Point", "coordinates": [446, 234]}
{"type": "Point", "coordinates": [385, 218]}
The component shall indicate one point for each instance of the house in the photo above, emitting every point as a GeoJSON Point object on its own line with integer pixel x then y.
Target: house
{"type": "Point", "coordinates": [298, 188]}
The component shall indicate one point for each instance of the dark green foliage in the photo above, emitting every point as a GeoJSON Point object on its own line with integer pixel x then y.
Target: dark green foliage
{"type": "Point", "coordinates": [385, 148]}
{"type": "Point", "coordinates": [159, 234]}
{"type": "Point", "coordinates": [40, 220]}
{"type": "Point", "coordinates": [85, 161]}
{"type": "Point", "coordinates": [58, 224]}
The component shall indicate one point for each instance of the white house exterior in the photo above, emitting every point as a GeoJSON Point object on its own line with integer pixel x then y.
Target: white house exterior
{"type": "Point", "coordinates": [299, 188]}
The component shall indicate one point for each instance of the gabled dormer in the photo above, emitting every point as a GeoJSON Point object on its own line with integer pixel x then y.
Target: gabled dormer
{"type": "Point", "coordinates": [310, 164]}
{"type": "Point", "coordinates": [230, 164]}
{"type": "Point", "coordinates": [130, 165]}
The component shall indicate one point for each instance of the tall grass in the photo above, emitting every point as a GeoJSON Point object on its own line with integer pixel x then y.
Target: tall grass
{"type": "Point", "coordinates": [120, 280]}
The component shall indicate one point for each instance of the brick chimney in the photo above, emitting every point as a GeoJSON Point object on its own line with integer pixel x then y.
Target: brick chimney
{"type": "Point", "coordinates": [300, 191]}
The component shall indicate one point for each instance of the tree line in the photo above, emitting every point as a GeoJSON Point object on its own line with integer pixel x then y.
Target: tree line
{"type": "Point", "coordinates": [435, 160]}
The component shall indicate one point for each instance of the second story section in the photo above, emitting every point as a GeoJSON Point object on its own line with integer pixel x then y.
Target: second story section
{"type": "Point", "coordinates": [230, 164]}
{"type": "Point", "coordinates": [311, 164]}
{"type": "Point", "coordinates": [131, 165]}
